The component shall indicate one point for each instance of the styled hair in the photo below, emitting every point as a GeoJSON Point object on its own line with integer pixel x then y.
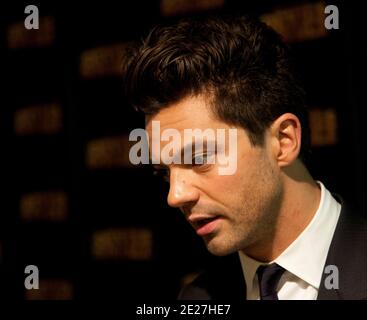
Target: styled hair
{"type": "Point", "coordinates": [238, 62]}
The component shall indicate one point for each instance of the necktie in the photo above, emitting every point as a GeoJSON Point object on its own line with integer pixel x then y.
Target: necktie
{"type": "Point", "coordinates": [269, 277]}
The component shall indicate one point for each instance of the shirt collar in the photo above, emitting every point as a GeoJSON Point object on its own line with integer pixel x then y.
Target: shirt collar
{"type": "Point", "coordinates": [305, 257]}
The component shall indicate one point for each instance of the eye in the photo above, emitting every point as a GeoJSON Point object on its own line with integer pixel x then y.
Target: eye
{"type": "Point", "coordinates": [202, 159]}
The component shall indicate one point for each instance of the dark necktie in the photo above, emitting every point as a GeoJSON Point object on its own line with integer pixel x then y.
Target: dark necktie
{"type": "Point", "coordinates": [269, 277]}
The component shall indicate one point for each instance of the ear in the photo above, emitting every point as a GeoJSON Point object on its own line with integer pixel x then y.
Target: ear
{"type": "Point", "coordinates": [285, 133]}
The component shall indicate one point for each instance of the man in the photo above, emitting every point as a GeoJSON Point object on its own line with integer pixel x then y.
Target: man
{"type": "Point", "coordinates": [283, 235]}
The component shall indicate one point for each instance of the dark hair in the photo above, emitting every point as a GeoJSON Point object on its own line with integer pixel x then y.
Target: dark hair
{"type": "Point", "coordinates": [240, 63]}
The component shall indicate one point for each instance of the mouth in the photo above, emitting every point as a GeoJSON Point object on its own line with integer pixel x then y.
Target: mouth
{"type": "Point", "coordinates": [204, 225]}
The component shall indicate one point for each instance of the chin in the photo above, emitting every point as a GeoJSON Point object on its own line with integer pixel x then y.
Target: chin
{"type": "Point", "coordinates": [219, 247]}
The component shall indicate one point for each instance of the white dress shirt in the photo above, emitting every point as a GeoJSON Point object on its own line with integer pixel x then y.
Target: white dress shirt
{"type": "Point", "coordinates": [304, 258]}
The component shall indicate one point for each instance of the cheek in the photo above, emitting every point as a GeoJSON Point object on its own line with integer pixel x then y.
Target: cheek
{"type": "Point", "coordinates": [229, 189]}
{"type": "Point", "coordinates": [250, 183]}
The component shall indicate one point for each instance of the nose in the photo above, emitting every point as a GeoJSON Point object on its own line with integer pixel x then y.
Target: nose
{"type": "Point", "coordinates": [181, 191]}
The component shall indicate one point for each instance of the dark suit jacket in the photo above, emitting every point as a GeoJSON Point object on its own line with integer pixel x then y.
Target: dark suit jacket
{"type": "Point", "coordinates": [348, 251]}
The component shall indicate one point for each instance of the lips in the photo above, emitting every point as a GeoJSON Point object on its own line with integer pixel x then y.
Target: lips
{"type": "Point", "coordinates": [204, 224]}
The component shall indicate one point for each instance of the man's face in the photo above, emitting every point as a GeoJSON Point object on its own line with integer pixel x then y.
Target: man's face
{"type": "Point", "coordinates": [230, 212]}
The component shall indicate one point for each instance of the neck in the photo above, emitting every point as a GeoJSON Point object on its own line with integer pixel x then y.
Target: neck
{"type": "Point", "coordinates": [301, 199]}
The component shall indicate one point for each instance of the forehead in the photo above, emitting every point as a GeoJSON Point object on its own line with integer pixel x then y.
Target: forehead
{"type": "Point", "coordinates": [189, 113]}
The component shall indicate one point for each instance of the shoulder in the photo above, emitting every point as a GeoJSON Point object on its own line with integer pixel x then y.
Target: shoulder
{"type": "Point", "coordinates": [351, 227]}
{"type": "Point", "coordinates": [198, 289]}
{"type": "Point", "coordinates": [222, 279]}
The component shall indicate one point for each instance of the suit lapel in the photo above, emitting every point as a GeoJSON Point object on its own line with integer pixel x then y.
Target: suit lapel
{"type": "Point", "coordinates": [348, 252]}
